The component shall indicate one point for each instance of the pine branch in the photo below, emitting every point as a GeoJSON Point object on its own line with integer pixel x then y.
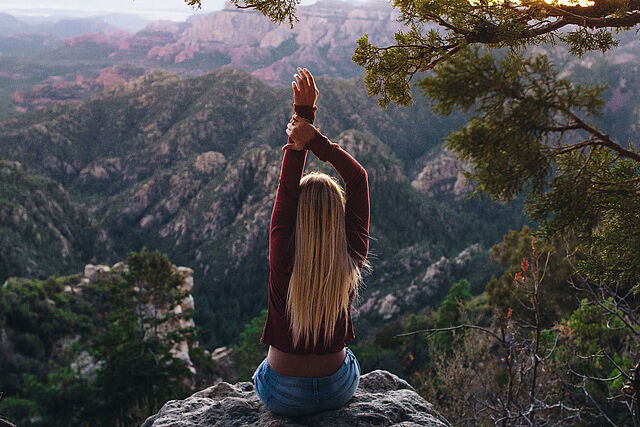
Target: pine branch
{"type": "Point", "coordinates": [598, 139]}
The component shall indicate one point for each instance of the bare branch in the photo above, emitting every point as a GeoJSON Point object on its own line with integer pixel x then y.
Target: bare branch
{"type": "Point", "coordinates": [593, 401]}
{"type": "Point", "coordinates": [452, 328]}
{"type": "Point", "coordinates": [555, 343]}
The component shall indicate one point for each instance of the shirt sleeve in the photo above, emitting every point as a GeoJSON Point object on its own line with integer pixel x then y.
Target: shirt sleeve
{"type": "Point", "coordinates": [283, 217]}
{"type": "Point", "coordinates": [356, 184]}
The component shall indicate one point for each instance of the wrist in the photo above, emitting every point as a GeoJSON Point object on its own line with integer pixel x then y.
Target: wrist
{"type": "Point", "coordinates": [314, 141]}
{"type": "Point", "coordinates": [307, 112]}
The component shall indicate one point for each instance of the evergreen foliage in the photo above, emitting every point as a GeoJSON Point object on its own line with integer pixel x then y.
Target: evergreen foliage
{"type": "Point", "coordinates": [140, 373]}
{"type": "Point", "coordinates": [38, 320]}
{"type": "Point", "coordinates": [450, 313]}
{"type": "Point", "coordinates": [250, 352]}
{"type": "Point", "coordinates": [277, 10]}
{"type": "Point", "coordinates": [438, 31]}
{"type": "Point", "coordinates": [96, 353]}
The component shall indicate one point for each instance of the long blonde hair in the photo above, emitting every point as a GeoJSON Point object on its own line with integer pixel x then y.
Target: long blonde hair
{"type": "Point", "coordinates": [325, 277]}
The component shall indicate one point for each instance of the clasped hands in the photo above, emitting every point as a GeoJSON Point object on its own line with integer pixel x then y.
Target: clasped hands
{"type": "Point", "coordinates": [305, 93]}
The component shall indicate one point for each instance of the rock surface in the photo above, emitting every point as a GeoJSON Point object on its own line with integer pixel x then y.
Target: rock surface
{"type": "Point", "coordinates": [382, 399]}
{"type": "Point", "coordinates": [411, 295]}
{"type": "Point", "coordinates": [443, 174]}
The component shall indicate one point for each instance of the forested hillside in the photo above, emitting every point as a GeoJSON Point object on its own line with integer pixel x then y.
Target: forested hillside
{"type": "Point", "coordinates": [190, 167]}
{"type": "Point", "coordinates": [39, 218]}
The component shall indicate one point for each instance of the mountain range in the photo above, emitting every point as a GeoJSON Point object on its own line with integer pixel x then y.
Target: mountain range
{"type": "Point", "coordinates": [190, 166]}
{"type": "Point", "coordinates": [45, 70]}
{"type": "Point", "coordinates": [66, 26]}
{"type": "Point", "coordinates": [157, 150]}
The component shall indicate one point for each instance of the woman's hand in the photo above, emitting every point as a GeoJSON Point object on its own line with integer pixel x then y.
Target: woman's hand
{"type": "Point", "coordinates": [301, 133]}
{"type": "Point", "coordinates": [305, 92]}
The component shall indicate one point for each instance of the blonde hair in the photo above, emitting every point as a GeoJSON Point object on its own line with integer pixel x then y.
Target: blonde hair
{"type": "Point", "coordinates": [325, 277]}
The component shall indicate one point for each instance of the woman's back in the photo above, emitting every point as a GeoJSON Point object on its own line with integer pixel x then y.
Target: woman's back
{"type": "Point", "coordinates": [310, 297]}
{"type": "Point", "coordinates": [282, 243]}
{"type": "Point", "coordinates": [318, 245]}
{"type": "Point", "coordinates": [305, 365]}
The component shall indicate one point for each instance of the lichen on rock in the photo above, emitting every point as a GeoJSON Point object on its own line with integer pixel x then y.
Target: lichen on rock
{"type": "Point", "coordinates": [382, 399]}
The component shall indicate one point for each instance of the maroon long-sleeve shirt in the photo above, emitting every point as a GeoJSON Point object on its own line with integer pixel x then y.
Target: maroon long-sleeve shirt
{"type": "Point", "coordinates": [277, 330]}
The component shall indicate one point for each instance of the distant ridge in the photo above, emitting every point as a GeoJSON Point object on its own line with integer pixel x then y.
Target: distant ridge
{"type": "Point", "coordinates": [324, 39]}
{"type": "Point", "coordinates": [10, 25]}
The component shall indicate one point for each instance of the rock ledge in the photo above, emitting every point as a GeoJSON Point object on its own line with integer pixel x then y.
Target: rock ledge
{"type": "Point", "coordinates": [382, 399]}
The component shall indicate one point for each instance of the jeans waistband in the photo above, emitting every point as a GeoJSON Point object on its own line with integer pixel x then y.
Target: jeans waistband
{"type": "Point", "coordinates": [349, 359]}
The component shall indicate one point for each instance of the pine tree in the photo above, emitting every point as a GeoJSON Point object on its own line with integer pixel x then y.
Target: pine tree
{"type": "Point", "coordinates": [140, 372]}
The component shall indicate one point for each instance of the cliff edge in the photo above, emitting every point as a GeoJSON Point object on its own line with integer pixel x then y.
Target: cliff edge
{"type": "Point", "coordinates": [382, 399]}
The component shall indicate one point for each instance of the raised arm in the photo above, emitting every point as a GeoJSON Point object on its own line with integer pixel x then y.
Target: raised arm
{"type": "Point", "coordinates": [283, 217]}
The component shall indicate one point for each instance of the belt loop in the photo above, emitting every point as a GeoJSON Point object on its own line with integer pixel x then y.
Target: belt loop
{"type": "Point", "coordinates": [315, 388]}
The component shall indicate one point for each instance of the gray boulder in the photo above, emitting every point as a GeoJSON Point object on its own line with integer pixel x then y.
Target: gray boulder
{"type": "Point", "coordinates": [382, 399]}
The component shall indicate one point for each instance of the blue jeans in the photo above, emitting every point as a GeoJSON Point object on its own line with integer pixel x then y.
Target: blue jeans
{"type": "Point", "coordinates": [301, 395]}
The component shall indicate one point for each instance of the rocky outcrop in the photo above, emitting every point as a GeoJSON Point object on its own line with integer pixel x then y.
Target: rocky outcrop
{"type": "Point", "coordinates": [324, 37]}
{"type": "Point", "coordinates": [382, 399]}
{"type": "Point", "coordinates": [222, 357]}
{"type": "Point", "coordinates": [423, 288]}
{"type": "Point", "coordinates": [181, 349]}
{"type": "Point", "coordinates": [96, 273]}
{"type": "Point", "coordinates": [443, 174]}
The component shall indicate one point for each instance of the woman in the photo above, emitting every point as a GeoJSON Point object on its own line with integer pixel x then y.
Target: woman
{"type": "Point", "coordinates": [318, 246]}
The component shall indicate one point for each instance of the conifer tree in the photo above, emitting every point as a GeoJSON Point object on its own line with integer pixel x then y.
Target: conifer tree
{"type": "Point", "coordinates": [140, 371]}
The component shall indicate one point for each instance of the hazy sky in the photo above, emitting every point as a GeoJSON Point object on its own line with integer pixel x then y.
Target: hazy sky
{"type": "Point", "coordinates": [150, 9]}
